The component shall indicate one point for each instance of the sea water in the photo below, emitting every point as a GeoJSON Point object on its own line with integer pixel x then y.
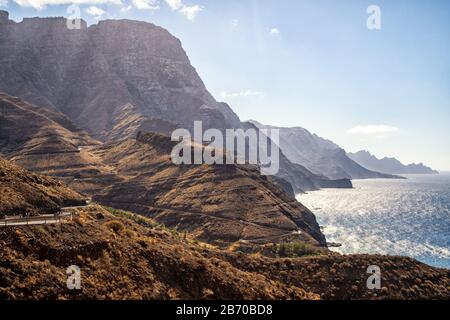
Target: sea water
{"type": "Point", "coordinates": [387, 216]}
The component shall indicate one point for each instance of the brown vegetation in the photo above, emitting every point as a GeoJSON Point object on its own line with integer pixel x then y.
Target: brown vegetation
{"type": "Point", "coordinates": [221, 204]}
{"type": "Point", "coordinates": [125, 256]}
{"type": "Point", "coordinates": [122, 259]}
{"type": "Point", "coordinates": [22, 192]}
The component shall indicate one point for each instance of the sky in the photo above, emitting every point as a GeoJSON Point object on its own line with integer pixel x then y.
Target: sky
{"type": "Point", "coordinates": [311, 63]}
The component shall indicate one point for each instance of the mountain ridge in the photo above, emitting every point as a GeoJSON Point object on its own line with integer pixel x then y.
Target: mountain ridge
{"type": "Point", "coordinates": [389, 164]}
{"type": "Point", "coordinates": [131, 77]}
{"type": "Point", "coordinates": [320, 155]}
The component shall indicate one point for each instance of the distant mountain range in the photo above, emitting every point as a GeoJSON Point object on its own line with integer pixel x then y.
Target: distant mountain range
{"type": "Point", "coordinates": [388, 165]}
{"type": "Point", "coordinates": [319, 155]}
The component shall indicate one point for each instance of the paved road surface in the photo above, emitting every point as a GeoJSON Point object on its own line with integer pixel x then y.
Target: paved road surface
{"type": "Point", "coordinates": [38, 220]}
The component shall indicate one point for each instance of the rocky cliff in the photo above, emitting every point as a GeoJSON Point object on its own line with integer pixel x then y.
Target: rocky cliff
{"type": "Point", "coordinates": [117, 78]}
{"type": "Point", "coordinates": [319, 155]}
{"type": "Point", "coordinates": [92, 73]}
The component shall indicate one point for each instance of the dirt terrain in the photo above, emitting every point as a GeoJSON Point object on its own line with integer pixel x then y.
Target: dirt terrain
{"type": "Point", "coordinates": [126, 256]}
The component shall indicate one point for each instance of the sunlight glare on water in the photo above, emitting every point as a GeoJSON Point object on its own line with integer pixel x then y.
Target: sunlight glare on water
{"type": "Point", "coordinates": [395, 217]}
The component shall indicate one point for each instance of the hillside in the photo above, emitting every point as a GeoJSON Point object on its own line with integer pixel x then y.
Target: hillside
{"type": "Point", "coordinates": [299, 177]}
{"type": "Point", "coordinates": [122, 259]}
{"type": "Point", "coordinates": [123, 256]}
{"type": "Point", "coordinates": [389, 165]}
{"type": "Point", "coordinates": [23, 192]}
{"type": "Point", "coordinates": [221, 204]}
{"type": "Point", "coordinates": [47, 142]}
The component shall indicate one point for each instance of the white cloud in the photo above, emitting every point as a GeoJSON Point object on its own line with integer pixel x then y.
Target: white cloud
{"type": "Point", "coordinates": [94, 11]}
{"type": "Point", "coordinates": [175, 4]}
{"type": "Point", "coordinates": [243, 94]}
{"type": "Point", "coordinates": [274, 31]}
{"type": "Point", "coordinates": [379, 131]}
{"type": "Point", "coordinates": [146, 4]}
{"type": "Point", "coordinates": [189, 11]}
{"type": "Point", "coordinates": [234, 24]}
{"type": "Point", "coordinates": [126, 8]}
{"type": "Point", "coordinates": [41, 4]}
{"type": "Point", "coordinates": [3, 3]}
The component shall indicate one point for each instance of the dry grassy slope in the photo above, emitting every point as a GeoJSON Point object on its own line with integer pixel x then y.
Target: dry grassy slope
{"type": "Point", "coordinates": [125, 256]}
{"type": "Point", "coordinates": [223, 203]}
{"type": "Point", "coordinates": [48, 142]}
{"type": "Point", "coordinates": [24, 192]}
{"type": "Point", "coordinates": [122, 259]}
{"type": "Point", "coordinates": [335, 276]}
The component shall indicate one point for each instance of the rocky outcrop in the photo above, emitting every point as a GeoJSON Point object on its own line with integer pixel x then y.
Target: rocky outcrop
{"type": "Point", "coordinates": [389, 165]}
{"type": "Point", "coordinates": [4, 17]}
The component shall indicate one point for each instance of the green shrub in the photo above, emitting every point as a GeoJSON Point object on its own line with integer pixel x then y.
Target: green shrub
{"type": "Point", "coordinates": [295, 249]}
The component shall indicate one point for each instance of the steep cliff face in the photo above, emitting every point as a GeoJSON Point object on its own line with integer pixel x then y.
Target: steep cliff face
{"type": "Point", "coordinates": [298, 176]}
{"type": "Point", "coordinates": [220, 204]}
{"type": "Point", "coordinates": [319, 155]}
{"type": "Point", "coordinates": [92, 73]}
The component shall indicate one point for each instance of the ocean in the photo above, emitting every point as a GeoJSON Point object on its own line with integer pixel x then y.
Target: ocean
{"type": "Point", "coordinates": [394, 217]}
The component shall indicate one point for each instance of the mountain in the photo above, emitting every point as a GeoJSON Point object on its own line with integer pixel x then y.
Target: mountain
{"type": "Point", "coordinates": [300, 178]}
{"type": "Point", "coordinates": [92, 74]}
{"type": "Point", "coordinates": [117, 78]}
{"type": "Point", "coordinates": [388, 165]}
{"type": "Point", "coordinates": [142, 169]}
{"type": "Point", "coordinates": [320, 156]}
{"type": "Point", "coordinates": [121, 257]}
{"type": "Point", "coordinates": [126, 256]}
{"type": "Point", "coordinates": [218, 203]}
{"type": "Point", "coordinates": [23, 192]}
{"type": "Point", "coordinates": [47, 142]}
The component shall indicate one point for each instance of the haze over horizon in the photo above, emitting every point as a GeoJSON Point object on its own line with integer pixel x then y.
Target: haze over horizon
{"type": "Point", "coordinates": [312, 64]}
